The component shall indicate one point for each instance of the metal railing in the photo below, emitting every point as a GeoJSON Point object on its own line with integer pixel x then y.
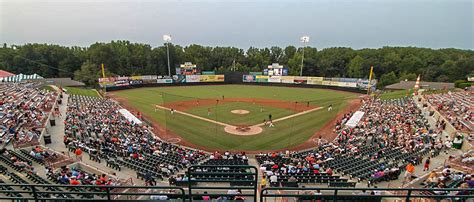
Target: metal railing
{"type": "Point", "coordinates": [50, 192]}
{"type": "Point", "coordinates": [360, 194]}
{"type": "Point", "coordinates": [246, 180]}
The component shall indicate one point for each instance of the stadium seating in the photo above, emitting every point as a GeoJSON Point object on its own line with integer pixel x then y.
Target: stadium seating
{"type": "Point", "coordinates": [457, 107]}
{"type": "Point", "coordinates": [144, 152]}
{"type": "Point", "coordinates": [23, 112]}
{"type": "Point", "coordinates": [362, 151]}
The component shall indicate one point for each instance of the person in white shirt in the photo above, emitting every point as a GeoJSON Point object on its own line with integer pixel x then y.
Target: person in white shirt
{"type": "Point", "coordinates": [273, 179]}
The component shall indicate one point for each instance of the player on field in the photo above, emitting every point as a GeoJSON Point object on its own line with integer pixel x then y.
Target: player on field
{"type": "Point", "coordinates": [271, 124]}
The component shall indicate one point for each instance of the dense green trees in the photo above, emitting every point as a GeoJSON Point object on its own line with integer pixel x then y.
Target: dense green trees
{"type": "Point", "coordinates": [391, 64]}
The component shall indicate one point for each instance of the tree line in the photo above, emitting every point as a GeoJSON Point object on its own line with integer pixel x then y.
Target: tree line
{"type": "Point", "coordinates": [391, 64]}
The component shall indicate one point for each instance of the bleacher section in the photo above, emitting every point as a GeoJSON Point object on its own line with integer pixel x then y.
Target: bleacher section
{"type": "Point", "coordinates": [23, 112]}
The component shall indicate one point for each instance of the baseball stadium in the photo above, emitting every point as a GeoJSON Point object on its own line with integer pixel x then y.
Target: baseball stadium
{"type": "Point", "coordinates": [124, 121]}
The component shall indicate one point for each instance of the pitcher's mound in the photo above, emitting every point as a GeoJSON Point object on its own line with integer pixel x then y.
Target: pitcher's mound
{"type": "Point", "coordinates": [239, 111]}
{"type": "Point", "coordinates": [243, 130]}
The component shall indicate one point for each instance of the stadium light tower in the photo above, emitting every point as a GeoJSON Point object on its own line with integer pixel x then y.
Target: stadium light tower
{"type": "Point", "coordinates": [304, 39]}
{"type": "Point", "coordinates": [167, 39]}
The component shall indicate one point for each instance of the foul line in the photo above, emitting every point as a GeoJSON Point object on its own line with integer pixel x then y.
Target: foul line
{"type": "Point", "coordinates": [291, 116]}
{"type": "Point", "coordinates": [192, 115]}
{"type": "Point", "coordinates": [228, 125]}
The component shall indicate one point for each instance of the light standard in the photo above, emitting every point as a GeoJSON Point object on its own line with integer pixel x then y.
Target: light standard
{"type": "Point", "coordinates": [167, 38]}
{"type": "Point", "coordinates": [304, 39]}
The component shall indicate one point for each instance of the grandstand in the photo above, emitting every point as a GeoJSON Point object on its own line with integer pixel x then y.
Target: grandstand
{"type": "Point", "coordinates": [106, 155]}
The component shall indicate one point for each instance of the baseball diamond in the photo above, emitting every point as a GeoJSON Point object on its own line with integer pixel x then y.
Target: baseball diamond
{"type": "Point", "coordinates": [202, 118]}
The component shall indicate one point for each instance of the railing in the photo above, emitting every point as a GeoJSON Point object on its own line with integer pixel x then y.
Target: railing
{"type": "Point", "coordinates": [360, 194]}
{"type": "Point", "coordinates": [49, 192]}
{"type": "Point", "coordinates": [37, 192]}
{"type": "Point", "coordinates": [246, 180]}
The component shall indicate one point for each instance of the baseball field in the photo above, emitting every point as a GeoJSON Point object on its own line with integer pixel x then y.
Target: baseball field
{"type": "Point", "coordinates": [237, 117]}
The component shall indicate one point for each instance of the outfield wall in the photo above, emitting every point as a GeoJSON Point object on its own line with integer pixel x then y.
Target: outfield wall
{"type": "Point", "coordinates": [122, 83]}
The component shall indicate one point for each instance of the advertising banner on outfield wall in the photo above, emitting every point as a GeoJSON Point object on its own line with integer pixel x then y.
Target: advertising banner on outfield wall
{"type": "Point", "coordinates": [248, 78]}
{"type": "Point", "coordinates": [287, 79]}
{"type": "Point", "coordinates": [122, 78]}
{"type": "Point", "coordinates": [327, 83]}
{"type": "Point", "coordinates": [149, 77]}
{"type": "Point", "coordinates": [274, 79]}
{"type": "Point", "coordinates": [315, 80]}
{"type": "Point", "coordinates": [211, 78]}
{"type": "Point", "coordinates": [135, 82]}
{"type": "Point", "coordinates": [347, 84]}
{"type": "Point", "coordinates": [255, 73]}
{"type": "Point", "coordinates": [107, 82]}
{"type": "Point", "coordinates": [261, 78]}
{"type": "Point", "coordinates": [179, 78]}
{"type": "Point", "coordinates": [193, 78]}
{"type": "Point", "coordinates": [364, 84]}
{"type": "Point", "coordinates": [121, 82]}
{"type": "Point", "coordinates": [208, 72]}
{"type": "Point", "coordinates": [300, 79]}
{"type": "Point", "coordinates": [164, 80]}
{"type": "Point", "coordinates": [136, 78]}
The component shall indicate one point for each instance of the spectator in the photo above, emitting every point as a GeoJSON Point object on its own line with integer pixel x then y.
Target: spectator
{"type": "Point", "coordinates": [78, 153]}
{"type": "Point", "coordinates": [426, 166]}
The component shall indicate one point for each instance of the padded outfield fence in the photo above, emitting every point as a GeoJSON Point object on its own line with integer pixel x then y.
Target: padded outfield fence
{"type": "Point", "coordinates": [231, 78]}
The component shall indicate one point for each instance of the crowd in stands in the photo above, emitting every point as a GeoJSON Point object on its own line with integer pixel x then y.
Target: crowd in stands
{"type": "Point", "coordinates": [392, 134]}
{"type": "Point", "coordinates": [23, 111]}
{"type": "Point", "coordinates": [449, 178]}
{"type": "Point", "coordinates": [41, 154]}
{"type": "Point", "coordinates": [74, 176]}
{"type": "Point", "coordinates": [95, 126]}
{"type": "Point", "coordinates": [457, 107]}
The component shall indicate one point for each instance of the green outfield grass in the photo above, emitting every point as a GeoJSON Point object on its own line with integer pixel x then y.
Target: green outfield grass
{"type": "Point", "coordinates": [48, 88]}
{"type": "Point", "coordinates": [222, 113]}
{"type": "Point", "coordinates": [287, 133]}
{"type": "Point", "coordinates": [396, 94]}
{"type": "Point", "coordinates": [81, 91]}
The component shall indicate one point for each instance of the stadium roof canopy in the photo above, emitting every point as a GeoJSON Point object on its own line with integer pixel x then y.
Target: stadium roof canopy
{"type": "Point", "coordinates": [405, 85]}
{"type": "Point", "coordinates": [20, 77]}
{"type": "Point", "coordinates": [64, 82]}
{"type": "Point", "coordinates": [4, 73]}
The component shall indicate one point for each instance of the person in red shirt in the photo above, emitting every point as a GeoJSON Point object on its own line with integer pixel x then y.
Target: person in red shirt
{"type": "Point", "coordinates": [78, 153]}
{"type": "Point", "coordinates": [74, 181]}
{"type": "Point", "coordinates": [329, 171]}
{"type": "Point", "coordinates": [103, 178]}
{"type": "Point", "coordinates": [275, 167]}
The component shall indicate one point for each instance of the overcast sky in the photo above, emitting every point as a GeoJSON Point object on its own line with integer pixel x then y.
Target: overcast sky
{"type": "Point", "coordinates": [357, 23]}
